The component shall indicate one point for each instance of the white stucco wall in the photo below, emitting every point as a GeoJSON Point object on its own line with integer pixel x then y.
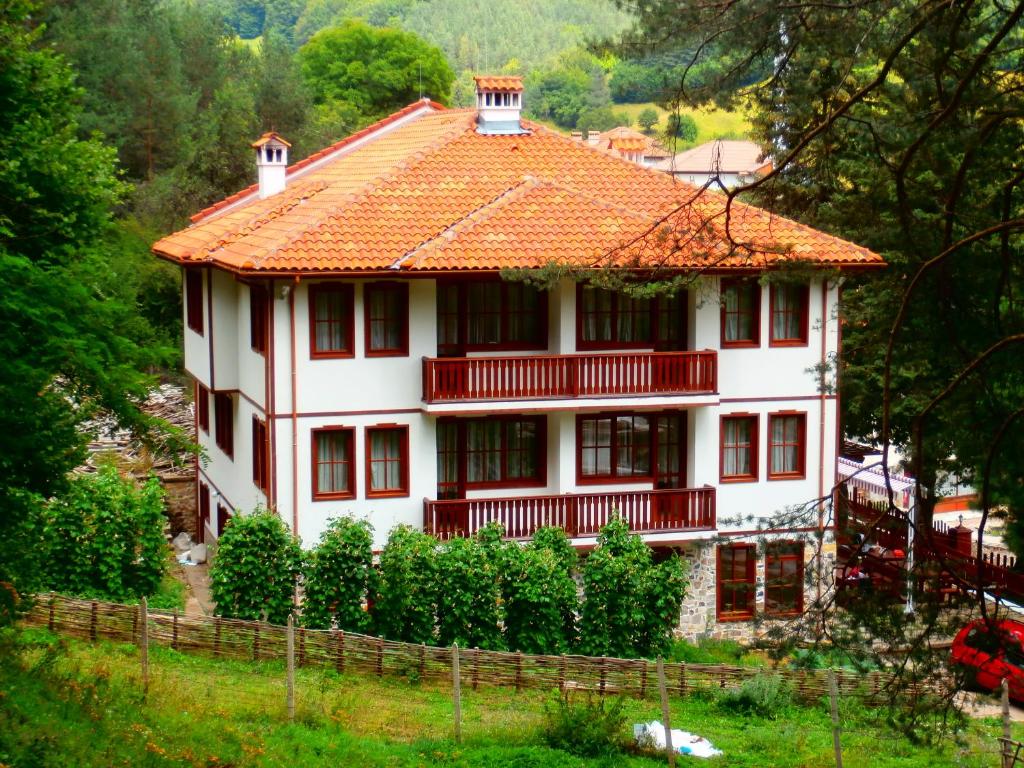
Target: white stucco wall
{"type": "Point", "coordinates": [361, 392]}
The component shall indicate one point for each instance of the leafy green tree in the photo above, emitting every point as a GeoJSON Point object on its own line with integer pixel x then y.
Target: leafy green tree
{"type": "Point", "coordinates": [631, 82]}
{"type": "Point", "coordinates": [375, 70]}
{"type": "Point", "coordinates": [680, 126]}
{"type": "Point", "coordinates": [601, 119]}
{"type": "Point", "coordinates": [63, 352]}
{"type": "Point", "coordinates": [468, 595]}
{"type": "Point", "coordinates": [339, 577]}
{"type": "Point", "coordinates": [104, 537]}
{"type": "Point", "coordinates": [407, 589]}
{"type": "Point", "coordinates": [256, 568]}
{"type": "Point", "coordinates": [647, 119]}
{"type": "Point", "coordinates": [630, 603]}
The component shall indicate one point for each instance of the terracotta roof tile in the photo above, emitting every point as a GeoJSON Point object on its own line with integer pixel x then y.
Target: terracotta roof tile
{"type": "Point", "coordinates": [499, 82]}
{"type": "Point", "coordinates": [430, 193]}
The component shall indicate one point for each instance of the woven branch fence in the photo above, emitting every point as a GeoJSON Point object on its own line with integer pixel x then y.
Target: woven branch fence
{"type": "Point", "coordinates": [348, 652]}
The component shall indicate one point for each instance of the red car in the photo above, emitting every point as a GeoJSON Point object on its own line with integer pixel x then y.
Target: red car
{"type": "Point", "coordinates": [989, 652]}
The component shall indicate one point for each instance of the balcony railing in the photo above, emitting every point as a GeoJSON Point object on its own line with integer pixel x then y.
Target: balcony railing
{"type": "Point", "coordinates": [578, 514]}
{"type": "Point", "coordinates": [564, 376]}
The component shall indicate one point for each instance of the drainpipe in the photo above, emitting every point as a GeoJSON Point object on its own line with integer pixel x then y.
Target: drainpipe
{"type": "Point", "coordinates": [821, 436]}
{"type": "Point", "coordinates": [295, 414]}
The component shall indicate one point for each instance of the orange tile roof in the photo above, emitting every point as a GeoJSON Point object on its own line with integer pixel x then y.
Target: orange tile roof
{"type": "Point", "coordinates": [423, 191]}
{"type": "Point", "coordinates": [628, 143]}
{"type": "Point", "coordinates": [499, 82]}
{"type": "Point", "coordinates": [268, 137]}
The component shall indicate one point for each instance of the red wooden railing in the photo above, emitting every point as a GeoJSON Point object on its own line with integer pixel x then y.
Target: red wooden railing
{"type": "Point", "coordinates": [578, 514]}
{"type": "Point", "coordinates": [551, 376]}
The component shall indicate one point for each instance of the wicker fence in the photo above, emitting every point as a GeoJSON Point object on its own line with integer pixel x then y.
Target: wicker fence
{"type": "Point", "coordinates": [353, 653]}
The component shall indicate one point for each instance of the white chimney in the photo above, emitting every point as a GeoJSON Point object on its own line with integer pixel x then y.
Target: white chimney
{"type": "Point", "coordinates": [499, 103]}
{"type": "Point", "coordinates": [271, 163]}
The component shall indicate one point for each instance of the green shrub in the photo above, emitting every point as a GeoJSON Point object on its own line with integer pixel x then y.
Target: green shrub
{"type": "Point", "coordinates": [708, 651]}
{"type": "Point", "coordinates": [767, 696]}
{"type": "Point", "coordinates": [406, 590]}
{"type": "Point", "coordinates": [630, 603]}
{"type": "Point", "coordinates": [586, 727]}
{"type": "Point", "coordinates": [104, 538]}
{"type": "Point", "coordinates": [338, 577]}
{"type": "Point", "coordinates": [539, 600]}
{"type": "Point", "coordinates": [254, 573]}
{"type": "Point", "coordinates": [468, 595]}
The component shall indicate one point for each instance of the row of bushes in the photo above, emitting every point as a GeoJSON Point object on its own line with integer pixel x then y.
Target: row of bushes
{"type": "Point", "coordinates": [479, 592]}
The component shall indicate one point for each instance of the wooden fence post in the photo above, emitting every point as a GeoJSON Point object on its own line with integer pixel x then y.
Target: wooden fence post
{"type": "Point", "coordinates": [53, 608]}
{"type": "Point", "coordinates": [144, 645]}
{"type": "Point", "coordinates": [457, 693]}
{"type": "Point", "coordinates": [563, 672]}
{"type": "Point", "coordinates": [519, 671]}
{"type": "Point", "coordinates": [174, 632]}
{"type": "Point", "coordinates": [380, 657]}
{"type": "Point", "coordinates": [682, 678]}
{"type": "Point", "coordinates": [302, 647]}
{"type": "Point", "coordinates": [290, 647]}
{"type": "Point", "coordinates": [476, 667]}
{"type": "Point", "coordinates": [423, 661]}
{"type": "Point", "coordinates": [256, 642]}
{"type": "Point", "coordinates": [833, 694]}
{"type": "Point", "coordinates": [665, 716]}
{"type": "Point", "coordinates": [92, 620]}
{"type": "Point", "coordinates": [643, 678]}
{"type": "Point", "coordinates": [216, 636]}
{"type": "Point", "coordinates": [1007, 757]}
{"type": "Point", "coordinates": [604, 674]}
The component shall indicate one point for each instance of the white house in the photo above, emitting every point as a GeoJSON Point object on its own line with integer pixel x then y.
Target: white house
{"type": "Point", "coordinates": [727, 161]}
{"type": "Point", "coordinates": [356, 352]}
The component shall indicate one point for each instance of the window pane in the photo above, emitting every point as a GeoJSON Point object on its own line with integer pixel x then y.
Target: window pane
{"type": "Point", "coordinates": [331, 313]}
{"type": "Point", "coordinates": [333, 449]}
{"type": "Point", "coordinates": [386, 460]}
{"type": "Point", "coordinates": [384, 308]}
{"type": "Point", "coordinates": [483, 451]}
{"type": "Point", "coordinates": [597, 314]}
{"type": "Point", "coordinates": [484, 313]}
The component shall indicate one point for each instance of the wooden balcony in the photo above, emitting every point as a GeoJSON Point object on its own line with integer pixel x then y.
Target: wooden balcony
{"type": "Point", "coordinates": [447, 379]}
{"type": "Point", "coordinates": [578, 514]}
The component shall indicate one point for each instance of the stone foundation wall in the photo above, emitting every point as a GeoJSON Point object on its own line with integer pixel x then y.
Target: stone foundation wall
{"type": "Point", "coordinates": [698, 615]}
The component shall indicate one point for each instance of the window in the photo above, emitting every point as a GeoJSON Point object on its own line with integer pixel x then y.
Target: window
{"type": "Point", "coordinates": [331, 320]}
{"type": "Point", "coordinates": [789, 315]}
{"type": "Point", "coordinates": [610, 320]}
{"type": "Point", "coordinates": [259, 311]}
{"type": "Point", "coordinates": [386, 308]}
{"type": "Point", "coordinates": [739, 448]}
{"type": "Point", "coordinates": [194, 299]}
{"type": "Point", "coordinates": [624, 447]}
{"type": "Point", "coordinates": [334, 466]}
{"type": "Point", "coordinates": [784, 579]}
{"type": "Point", "coordinates": [741, 313]}
{"type": "Point", "coordinates": [203, 407]}
{"type": "Point", "coordinates": [204, 510]}
{"type": "Point", "coordinates": [223, 517]}
{"type": "Point", "coordinates": [737, 581]}
{"type": "Point", "coordinates": [387, 461]}
{"type": "Point", "coordinates": [224, 423]}
{"type": "Point", "coordinates": [260, 450]}
{"type": "Point", "coordinates": [491, 452]}
{"type": "Point", "coordinates": [490, 315]}
{"type": "Point", "coordinates": [786, 445]}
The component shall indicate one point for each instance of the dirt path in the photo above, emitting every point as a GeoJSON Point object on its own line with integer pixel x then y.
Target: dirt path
{"type": "Point", "coordinates": [981, 705]}
{"type": "Point", "coordinates": [198, 600]}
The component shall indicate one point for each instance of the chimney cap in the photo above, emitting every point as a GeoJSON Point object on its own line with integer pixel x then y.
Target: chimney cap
{"type": "Point", "coordinates": [267, 138]}
{"type": "Point", "coordinates": [510, 83]}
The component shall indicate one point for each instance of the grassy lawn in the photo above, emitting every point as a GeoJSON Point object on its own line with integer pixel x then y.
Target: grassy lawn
{"type": "Point", "coordinates": [711, 123]}
{"type": "Point", "coordinates": [66, 703]}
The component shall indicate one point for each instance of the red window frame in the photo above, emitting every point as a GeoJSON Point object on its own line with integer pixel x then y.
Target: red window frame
{"type": "Point", "coordinates": [402, 459]}
{"type": "Point", "coordinates": [659, 311]}
{"type": "Point", "coordinates": [345, 319]}
{"type": "Point", "coordinates": [736, 582]}
{"type": "Point", "coordinates": [259, 318]}
{"type": "Point", "coordinates": [462, 452]}
{"type": "Point", "coordinates": [347, 436]}
{"type": "Point", "coordinates": [203, 407]}
{"type": "Point", "coordinates": [800, 442]}
{"type": "Point", "coordinates": [456, 319]}
{"type": "Point", "coordinates": [399, 318]}
{"type": "Point", "coordinates": [224, 423]}
{"type": "Point", "coordinates": [801, 295]}
{"type": "Point", "coordinates": [754, 311]}
{"type": "Point", "coordinates": [203, 510]}
{"type": "Point", "coordinates": [260, 452]}
{"type": "Point", "coordinates": [654, 443]}
{"type": "Point", "coordinates": [223, 516]}
{"type": "Point", "coordinates": [194, 300]}
{"type": "Point", "coordinates": [784, 592]}
{"type": "Point", "coordinates": [725, 447]}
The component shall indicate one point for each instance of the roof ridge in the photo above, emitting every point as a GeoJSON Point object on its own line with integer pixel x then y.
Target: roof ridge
{"type": "Point", "coordinates": [322, 153]}
{"type": "Point", "coordinates": [452, 132]}
{"type": "Point", "coordinates": [471, 218]}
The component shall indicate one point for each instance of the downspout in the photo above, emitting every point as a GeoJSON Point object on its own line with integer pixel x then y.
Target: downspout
{"type": "Point", "coordinates": [269, 405]}
{"type": "Point", "coordinates": [821, 438]}
{"type": "Point", "coordinates": [295, 414]}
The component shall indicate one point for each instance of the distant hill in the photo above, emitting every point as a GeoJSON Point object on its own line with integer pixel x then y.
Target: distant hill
{"type": "Point", "coordinates": [475, 35]}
